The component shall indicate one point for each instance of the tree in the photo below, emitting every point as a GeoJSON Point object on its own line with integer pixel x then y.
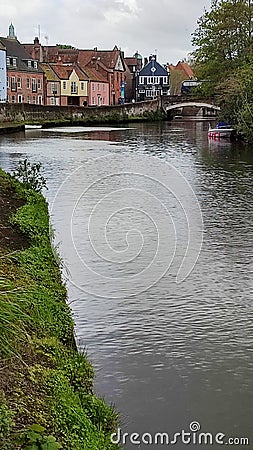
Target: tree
{"type": "Point", "coordinates": [236, 99]}
{"type": "Point", "coordinates": [223, 39]}
{"type": "Point", "coordinates": [224, 56]}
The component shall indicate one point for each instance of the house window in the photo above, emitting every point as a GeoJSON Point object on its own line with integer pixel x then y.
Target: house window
{"type": "Point", "coordinates": [7, 61]}
{"type": "Point", "coordinates": [19, 83]}
{"type": "Point", "coordinates": [7, 82]}
{"type": "Point", "coordinates": [64, 85]}
{"type": "Point", "coordinates": [28, 83]}
{"type": "Point", "coordinates": [93, 100]}
{"type": "Point", "coordinates": [39, 83]}
{"type": "Point", "coordinates": [40, 100]}
{"type": "Point", "coordinates": [98, 87]}
{"type": "Point", "coordinates": [52, 101]}
{"type": "Point", "coordinates": [14, 62]}
{"type": "Point", "coordinates": [29, 63]}
{"type": "Point", "coordinates": [93, 86]}
{"type": "Point", "coordinates": [73, 87]}
{"type": "Point", "coordinates": [54, 88]}
{"type": "Point", "coordinates": [82, 86]}
{"type": "Point", "coordinates": [13, 99]}
{"type": "Point", "coordinates": [35, 65]}
{"type": "Point", "coordinates": [165, 80]}
{"type": "Point", "coordinates": [103, 100]}
{"type": "Point", "coordinates": [28, 99]}
{"type": "Point", "coordinates": [34, 100]}
{"type": "Point", "coordinates": [34, 85]}
{"type": "Point", "coordinates": [13, 84]}
{"type": "Point", "coordinates": [104, 87]}
{"type": "Point", "coordinates": [20, 98]}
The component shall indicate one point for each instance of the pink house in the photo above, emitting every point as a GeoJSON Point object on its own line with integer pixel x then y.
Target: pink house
{"type": "Point", "coordinates": [98, 88]}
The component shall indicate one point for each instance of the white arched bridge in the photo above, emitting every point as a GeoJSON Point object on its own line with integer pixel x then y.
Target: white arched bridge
{"type": "Point", "coordinates": [192, 105]}
{"type": "Point", "coordinates": [174, 102]}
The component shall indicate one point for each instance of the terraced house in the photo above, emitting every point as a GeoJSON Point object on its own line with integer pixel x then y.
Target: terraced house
{"type": "Point", "coordinates": [52, 92]}
{"type": "Point", "coordinates": [74, 84]}
{"type": "Point", "coordinates": [109, 66]}
{"type": "Point", "coordinates": [25, 79]}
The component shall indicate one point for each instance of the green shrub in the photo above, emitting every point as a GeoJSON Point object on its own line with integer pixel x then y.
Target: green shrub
{"type": "Point", "coordinates": [29, 174]}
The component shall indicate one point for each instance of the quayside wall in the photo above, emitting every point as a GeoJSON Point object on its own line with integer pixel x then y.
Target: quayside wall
{"type": "Point", "coordinates": [20, 112]}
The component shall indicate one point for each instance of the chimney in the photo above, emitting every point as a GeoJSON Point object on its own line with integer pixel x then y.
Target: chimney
{"type": "Point", "coordinates": [36, 41]}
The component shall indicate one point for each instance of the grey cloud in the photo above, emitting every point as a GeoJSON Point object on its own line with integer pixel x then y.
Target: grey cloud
{"type": "Point", "coordinates": [165, 25]}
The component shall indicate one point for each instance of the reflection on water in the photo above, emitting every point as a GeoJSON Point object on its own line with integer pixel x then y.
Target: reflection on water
{"type": "Point", "coordinates": [175, 353]}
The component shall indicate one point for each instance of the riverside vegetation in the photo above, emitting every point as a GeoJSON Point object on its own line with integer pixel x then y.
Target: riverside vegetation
{"type": "Point", "coordinates": [46, 385]}
{"type": "Point", "coordinates": [224, 56]}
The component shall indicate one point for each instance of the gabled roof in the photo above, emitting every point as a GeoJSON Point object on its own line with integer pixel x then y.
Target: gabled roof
{"type": "Point", "coordinates": [64, 72]}
{"type": "Point", "coordinates": [93, 74]}
{"type": "Point", "coordinates": [49, 73]}
{"type": "Point", "coordinates": [2, 47]}
{"type": "Point", "coordinates": [153, 68]}
{"type": "Point", "coordinates": [183, 67]}
{"type": "Point", "coordinates": [108, 58]}
{"type": "Point", "coordinates": [14, 49]}
{"type": "Point", "coordinates": [131, 61]}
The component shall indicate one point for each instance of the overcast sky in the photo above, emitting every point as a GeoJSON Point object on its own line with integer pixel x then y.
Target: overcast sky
{"type": "Point", "coordinates": [143, 25]}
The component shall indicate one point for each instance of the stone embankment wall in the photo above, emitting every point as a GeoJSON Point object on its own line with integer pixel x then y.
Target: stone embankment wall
{"type": "Point", "coordinates": [14, 112]}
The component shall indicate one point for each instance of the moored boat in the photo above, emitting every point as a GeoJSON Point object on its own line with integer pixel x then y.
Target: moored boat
{"type": "Point", "coordinates": [222, 130]}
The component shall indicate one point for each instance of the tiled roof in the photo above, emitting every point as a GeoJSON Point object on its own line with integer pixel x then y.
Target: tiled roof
{"type": "Point", "coordinates": [93, 74]}
{"type": "Point", "coordinates": [48, 71]}
{"type": "Point", "coordinates": [131, 61]}
{"type": "Point", "coordinates": [16, 50]}
{"type": "Point", "coordinates": [108, 58]}
{"type": "Point", "coordinates": [183, 67]}
{"type": "Point", "coordinates": [64, 72]}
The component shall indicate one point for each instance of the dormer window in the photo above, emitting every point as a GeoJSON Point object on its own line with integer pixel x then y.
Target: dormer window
{"type": "Point", "coordinates": [29, 63]}
{"type": "Point", "coordinates": [8, 61]}
{"type": "Point", "coordinates": [35, 65]}
{"type": "Point", "coordinates": [14, 62]}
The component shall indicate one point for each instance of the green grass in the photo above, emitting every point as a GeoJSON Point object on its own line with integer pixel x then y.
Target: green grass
{"type": "Point", "coordinates": [46, 392]}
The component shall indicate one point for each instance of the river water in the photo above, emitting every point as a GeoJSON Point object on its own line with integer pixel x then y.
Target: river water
{"type": "Point", "coordinates": [166, 353]}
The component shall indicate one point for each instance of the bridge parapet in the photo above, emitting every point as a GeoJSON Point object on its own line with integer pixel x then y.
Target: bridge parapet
{"type": "Point", "coordinates": [172, 99]}
{"type": "Point", "coordinates": [171, 102]}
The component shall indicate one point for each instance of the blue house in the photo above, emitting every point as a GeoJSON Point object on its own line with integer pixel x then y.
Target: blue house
{"type": "Point", "coordinates": [3, 75]}
{"type": "Point", "coordinates": [152, 80]}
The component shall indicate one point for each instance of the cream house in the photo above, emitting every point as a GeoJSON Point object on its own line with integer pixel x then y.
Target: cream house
{"type": "Point", "coordinates": [74, 84]}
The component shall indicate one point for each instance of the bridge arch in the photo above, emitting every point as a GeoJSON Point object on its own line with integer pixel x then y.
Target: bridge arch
{"type": "Point", "coordinates": [170, 107]}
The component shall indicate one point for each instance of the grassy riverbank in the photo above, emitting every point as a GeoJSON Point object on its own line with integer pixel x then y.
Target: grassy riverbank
{"type": "Point", "coordinates": [46, 395]}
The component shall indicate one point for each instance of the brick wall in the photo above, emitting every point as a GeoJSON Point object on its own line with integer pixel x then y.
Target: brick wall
{"type": "Point", "coordinates": [34, 113]}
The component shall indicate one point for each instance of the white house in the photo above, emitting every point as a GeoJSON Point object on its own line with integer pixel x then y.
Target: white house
{"type": "Point", "coordinates": [3, 75]}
